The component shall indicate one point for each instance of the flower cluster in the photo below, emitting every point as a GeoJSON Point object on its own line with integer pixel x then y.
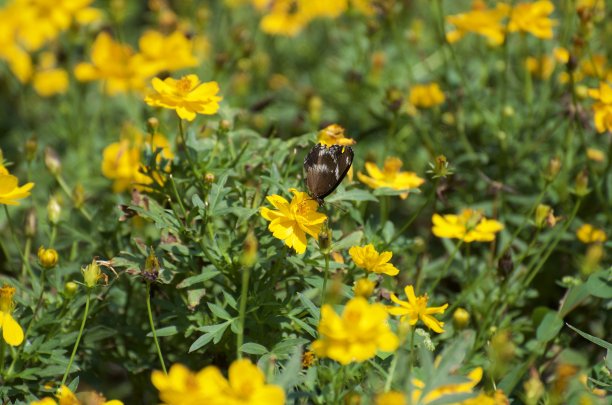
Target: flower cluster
{"type": "Point", "coordinates": [245, 385]}
{"type": "Point", "coordinates": [355, 336]}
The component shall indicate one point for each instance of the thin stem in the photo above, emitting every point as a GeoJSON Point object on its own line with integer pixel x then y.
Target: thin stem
{"type": "Point", "coordinates": [14, 236]}
{"type": "Point", "coordinates": [76, 344]}
{"type": "Point", "coordinates": [391, 372]}
{"type": "Point", "coordinates": [66, 189]}
{"type": "Point", "coordinates": [411, 363]}
{"type": "Point", "coordinates": [325, 277]}
{"type": "Point", "coordinates": [445, 268]}
{"type": "Point", "coordinates": [246, 274]}
{"type": "Point", "coordinates": [2, 350]}
{"type": "Point", "coordinates": [157, 347]}
{"type": "Point", "coordinates": [176, 195]}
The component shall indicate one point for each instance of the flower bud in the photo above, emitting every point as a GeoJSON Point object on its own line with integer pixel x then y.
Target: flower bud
{"type": "Point", "coordinates": [52, 161]}
{"type": "Point", "coordinates": [581, 184]}
{"type": "Point", "coordinates": [31, 146]}
{"type": "Point", "coordinates": [152, 125]}
{"type": "Point", "coordinates": [209, 178]}
{"type": "Point", "coordinates": [505, 265]}
{"type": "Point", "coordinates": [543, 216]}
{"type": "Point", "coordinates": [47, 257]}
{"type": "Point", "coordinates": [152, 267]}
{"type": "Point", "coordinates": [439, 168]}
{"type": "Point", "coordinates": [54, 211]}
{"type": "Point", "coordinates": [249, 250]}
{"type": "Point", "coordinates": [552, 170]}
{"type": "Point", "coordinates": [91, 274]}
{"type": "Point", "coordinates": [325, 238]}
{"type": "Point", "coordinates": [225, 125]}
{"type": "Point", "coordinates": [78, 195]}
{"type": "Point", "coordinates": [461, 318]}
{"type": "Point", "coordinates": [31, 223]}
{"type": "Point", "coordinates": [70, 288]}
{"type": "Point", "coordinates": [534, 389]}
{"type": "Point", "coordinates": [590, 263]}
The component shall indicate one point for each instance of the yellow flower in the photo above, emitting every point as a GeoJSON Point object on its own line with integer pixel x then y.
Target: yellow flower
{"type": "Point", "coordinates": [323, 8]}
{"type": "Point", "coordinates": [246, 385]}
{"type": "Point", "coordinates": [595, 155]}
{"type": "Point", "coordinates": [113, 63]}
{"type": "Point", "coordinates": [363, 288]}
{"type": "Point", "coordinates": [390, 176]}
{"type": "Point", "coordinates": [594, 66]}
{"type": "Point", "coordinates": [10, 191]}
{"type": "Point", "coordinates": [48, 79]}
{"type": "Point", "coordinates": [92, 274]}
{"type": "Point", "coordinates": [469, 226]}
{"type": "Point", "coordinates": [390, 398]}
{"type": "Point", "coordinates": [47, 257]}
{"type": "Point", "coordinates": [533, 18]}
{"type": "Point", "coordinates": [561, 54]}
{"type": "Point", "coordinates": [603, 107]}
{"type": "Point", "coordinates": [416, 308]}
{"type": "Point", "coordinates": [368, 258]}
{"type": "Point", "coordinates": [44, 401]}
{"type": "Point", "coordinates": [11, 331]}
{"type": "Point", "coordinates": [11, 51]}
{"type": "Point", "coordinates": [357, 335]}
{"type": "Point", "coordinates": [159, 52]}
{"type": "Point", "coordinates": [587, 233]}
{"type": "Point", "coordinates": [292, 221]}
{"type": "Point", "coordinates": [540, 68]}
{"type": "Point", "coordinates": [333, 135]}
{"type": "Point", "coordinates": [473, 376]}
{"type": "Point", "coordinates": [426, 95]}
{"type": "Point", "coordinates": [283, 18]}
{"type": "Point", "coordinates": [481, 21]}
{"type": "Point", "coordinates": [187, 96]}
{"type": "Point", "coordinates": [67, 397]}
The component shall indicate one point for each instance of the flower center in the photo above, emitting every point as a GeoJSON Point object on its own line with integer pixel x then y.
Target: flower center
{"type": "Point", "coordinates": [183, 85]}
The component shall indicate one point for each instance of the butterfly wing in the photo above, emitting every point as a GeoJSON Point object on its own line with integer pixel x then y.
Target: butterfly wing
{"type": "Point", "coordinates": [326, 168]}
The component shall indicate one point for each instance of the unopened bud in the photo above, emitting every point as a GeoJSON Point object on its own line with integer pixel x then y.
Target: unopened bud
{"type": "Point", "coordinates": [461, 318]}
{"type": "Point", "coordinates": [394, 99]}
{"type": "Point", "coordinates": [225, 125]}
{"type": "Point", "coordinates": [152, 125]}
{"type": "Point", "coordinates": [209, 178]}
{"type": "Point", "coordinates": [439, 168]}
{"type": "Point", "coordinates": [152, 267]}
{"type": "Point", "coordinates": [249, 250]}
{"type": "Point", "coordinates": [552, 170]}
{"type": "Point", "coordinates": [31, 222]}
{"type": "Point", "coordinates": [581, 184]}
{"type": "Point", "coordinates": [78, 195]}
{"type": "Point", "coordinates": [31, 146]}
{"type": "Point", "coordinates": [47, 257]}
{"type": "Point", "coordinates": [325, 238]}
{"type": "Point", "coordinates": [542, 215]}
{"type": "Point", "coordinates": [52, 161]}
{"type": "Point", "coordinates": [54, 210]}
{"type": "Point", "coordinates": [91, 274]}
{"type": "Point", "coordinates": [70, 288]}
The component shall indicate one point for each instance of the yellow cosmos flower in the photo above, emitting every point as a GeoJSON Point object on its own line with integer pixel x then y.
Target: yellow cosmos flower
{"type": "Point", "coordinates": [426, 95]}
{"type": "Point", "coordinates": [292, 221]}
{"type": "Point", "coordinates": [540, 68]}
{"type": "Point", "coordinates": [368, 258]}
{"type": "Point", "coordinates": [602, 109]}
{"type": "Point", "coordinates": [390, 398]}
{"type": "Point", "coordinates": [334, 135]}
{"type": "Point", "coordinates": [363, 287]}
{"type": "Point", "coordinates": [11, 331]}
{"type": "Point", "coordinates": [357, 335]}
{"type": "Point", "coordinates": [473, 376]}
{"type": "Point", "coordinates": [48, 79]}
{"type": "Point", "coordinates": [10, 191]}
{"type": "Point", "coordinates": [587, 233]}
{"type": "Point", "coordinates": [245, 385]}
{"type": "Point", "coordinates": [187, 96]}
{"type": "Point", "coordinates": [416, 308]}
{"type": "Point", "coordinates": [469, 226]}
{"type": "Point", "coordinates": [67, 397]}
{"type": "Point", "coordinates": [533, 18]}
{"type": "Point", "coordinates": [114, 64]}
{"type": "Point", "coordinates": [159, 52]}
{"type": "Point", "coordinates": [390, 176]}
{"type": "Point", "coordinates": [481, 21]}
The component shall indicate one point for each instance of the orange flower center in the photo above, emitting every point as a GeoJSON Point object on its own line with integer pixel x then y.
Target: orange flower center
{"type": "Point", "coordinates": [183, 85]}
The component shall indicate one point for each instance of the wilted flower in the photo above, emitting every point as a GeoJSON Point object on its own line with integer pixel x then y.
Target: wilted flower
{"type": "Point", "coordinates": [426, 95]}
{"type": "Point", "coordinates": [545, 216]}
{"type": "Point", "coordinates": [368, 258]}
{"type": "Point", "coordinates": [356, 335]}
{"type": "Point", "coordinates": [333, 135]}
{"type": "Point", "coordinates": [187, 96]}
{"type": "Point", "coordinates": [292, 221]}
{"type": "Point", "coordinates": [533, 18]}
{"type": "Point", "coordinates": [11, 331]}
{"type": "Point", "coordinates": [587, 233]}
{"type": "Point", "coordinates": [469, 226]}
{"type": "Point", "coordinates": [91, 274]}
{"type": "Point", "coordinates": [246, 384]}
{"type": "Point", "coordinates": [390, 176]}
{"type": "Point", "coordinates": [481, 21]}
{"type": "Point", "coordinates": [416, 308]}
{"type": "Point", "coordinates": [10, 191]}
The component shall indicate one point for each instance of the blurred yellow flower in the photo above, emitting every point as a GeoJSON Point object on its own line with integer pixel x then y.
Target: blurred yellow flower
{"type": "Point", "coordinates": [533, 18]}
{"type": "Point", "coordinates": [357, 335]}
{"type": "Point", "coordinates": [114, 64]}
{"type": "Point", "coordinates": [561, 54]}
{"type": "Point", "coordinates": [469, 226]}
{"type": "Point", "coordinates": [333, 135]}
{"type": "Point", "coordinates": [602, 109]}
{"type": "Point", "coordinates": [292, 221]}
{"type": "Point", "coordinates": [363, 287]}
{"type": "Point", "coordinates": [187, 96]}
{"type": "Point", "coordinates": [245, 385]}
{"type": "Point", "coordinates": [390, 398]}
{"type": "Point", "coordinates": [323, 8]}
{"type": "Point", "coordinates": [11, 331]}
{"type": "Point", "coordinates": [165, 53]}
{"type": "Point", "coordinates": [435, 394]}
{"type": "Point", "coordinates": [595, 155]}
{"type": "Point", "coordinates": [416, 308]}
{"type": "Point", "coordinates": [587, 233]}
{"type": "Point", "coordinates": [49, 80]}
{"type": "Point", "coordinates": [594, 66]}
{"type": "Point", "coordinates": [390, 176]}
{"type": "Point", "coordinates": [11, 51]}
{"type": "Point", "coordinates": [541, 67]}
{"type": "Point", "coordinates": [426, 95]}
{"type": "Point", "coordinates": [481, 21]}
{"type": "Point", "coordinates": [283, 18]}
{"type": "Point", "coordinates": [368, 258]}
{"type": "Point", "coordinates": [66, 397]}
{"type": "Point", "coordinates": [10, 191]}
{"type": "Point", "coordinates": [44, 401]}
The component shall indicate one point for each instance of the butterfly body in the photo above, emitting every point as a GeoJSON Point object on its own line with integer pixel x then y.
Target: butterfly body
{"type": "Point", "coordinates": [325, 169]}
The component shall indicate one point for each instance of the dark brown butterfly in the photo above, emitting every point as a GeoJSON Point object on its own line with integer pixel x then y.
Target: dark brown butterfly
{"type": "Point", "coordinates": [325, 168]}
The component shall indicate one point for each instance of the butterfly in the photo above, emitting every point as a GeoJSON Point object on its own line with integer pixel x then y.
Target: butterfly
{"type": "Point", "coordinates": [325, 168]}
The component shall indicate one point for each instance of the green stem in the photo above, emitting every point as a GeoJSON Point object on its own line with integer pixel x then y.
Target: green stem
{"type": "Point", "coordinates": [411, 364]}
{"type": "Point", "coordinates": [2, 350]}
{"type": "Point", "coordinates": [66, 189]}
{"type": "Point", "coordinates": [76, 344]}
{"type": "Point", "coordinates": [391, 372]}
{"type": "Point", "coordinates": [14, 236]}
{"type": "Point", "coordinates": [325, 277]}
{"type": "Point", "coordinates": [445, 268]}
{"type": "Point", "coordinates": [246, 274]}
{"type": "Point", "coordinates": [176, 195]}
{"type": "Point", "coordinates": [150, 313]}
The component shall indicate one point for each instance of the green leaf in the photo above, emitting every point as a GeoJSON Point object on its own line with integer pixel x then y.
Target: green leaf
{"type": "Point", "coordinates": [600, 285]}
{"type": "Point", "coordinates": [575, 296]}
{"type": "Point", "coordinates": [287, 345]}
{"type": "Point", "coordinates": [219, 312]}
{"type": "Point", "coordinates": [213, 332]}
{"type": "Point", "coordinates": [310, 306]}
{"type": "Point", "coordinates": [350, 240]}
{"type": "Point", "coordinates": [165, 331]}
{"type": "Point", "coordinates": [596, 340]}
{"type": "Point", "coordinates": [253, 348]}
{"type": "Point", "coordinates": [549, 327]}
{"type": "Point", "coordinates": [352, 195]}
